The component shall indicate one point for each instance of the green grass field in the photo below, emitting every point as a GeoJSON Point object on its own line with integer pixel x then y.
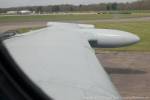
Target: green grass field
{"type": "Point", "coordinates": [142, 29]}
{"type": "Point", "coordinates": [69, 17]}
{"type": "Point", "coordinates": [54, 17]}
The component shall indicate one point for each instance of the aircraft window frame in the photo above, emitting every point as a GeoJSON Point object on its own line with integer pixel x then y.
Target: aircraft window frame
{"type": "Point", "coordinates": [15, 85]}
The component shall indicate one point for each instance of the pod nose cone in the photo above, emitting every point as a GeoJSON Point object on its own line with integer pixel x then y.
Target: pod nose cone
{"type": "Point", "coordinates": [133, 38]}
{"type": "Point", "coordinates": [136, 39]}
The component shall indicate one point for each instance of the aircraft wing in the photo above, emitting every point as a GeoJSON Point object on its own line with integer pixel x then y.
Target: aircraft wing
{"type": "Point", "coordinates": [61, 62]}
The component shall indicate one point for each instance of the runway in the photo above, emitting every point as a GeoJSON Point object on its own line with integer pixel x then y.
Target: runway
{"type": "Point", "coordinates": [4, 26]}
{"type": "Point", "coordinates": [130, 72]}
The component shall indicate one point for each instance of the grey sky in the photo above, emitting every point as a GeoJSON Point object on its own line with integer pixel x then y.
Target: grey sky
{"type": "Point", "coordinates": [13, 3]}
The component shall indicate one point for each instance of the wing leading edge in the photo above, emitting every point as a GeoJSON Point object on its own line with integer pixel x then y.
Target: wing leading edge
{"type": "Point", "coordinates": [60, 61]}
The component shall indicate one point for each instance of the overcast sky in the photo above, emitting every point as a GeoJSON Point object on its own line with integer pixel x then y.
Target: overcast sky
{"type": "Point", "coordinates": [13, 3]}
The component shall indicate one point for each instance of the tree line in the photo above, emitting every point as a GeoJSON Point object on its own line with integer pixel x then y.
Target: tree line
{"type": "Point", "coordinates": [138, 5]}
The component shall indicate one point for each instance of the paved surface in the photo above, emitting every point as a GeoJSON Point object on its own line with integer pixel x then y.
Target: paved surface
{"type": "Point", "coordinates": [130, 72]}
{"type": "Point", "coordinates": [115, 19]}
{"type": "Point", "coordinates": [4, 26]}
{"type": "Point", "coordinates": [17, 25]}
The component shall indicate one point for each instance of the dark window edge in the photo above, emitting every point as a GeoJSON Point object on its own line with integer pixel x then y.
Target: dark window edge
{"type": "Point", "coordinates": [17, 77]}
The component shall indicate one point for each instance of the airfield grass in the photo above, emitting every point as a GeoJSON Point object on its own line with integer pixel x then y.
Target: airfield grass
{"type": "Point", "coordinates": [24, 30]}
{"type": "Point", "coordinates": [68, 17]}
{"type": "Point", "coordinates": [140, 28]}
{"type": "Point", "coordinates": [54, 17]}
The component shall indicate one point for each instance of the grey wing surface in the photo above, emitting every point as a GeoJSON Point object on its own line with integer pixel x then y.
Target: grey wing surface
{"type": "Point", "coordinates": [61, 62]}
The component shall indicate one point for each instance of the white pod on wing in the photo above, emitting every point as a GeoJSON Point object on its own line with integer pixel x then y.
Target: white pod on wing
{"type": "Point", "coordinates": [108, 38]}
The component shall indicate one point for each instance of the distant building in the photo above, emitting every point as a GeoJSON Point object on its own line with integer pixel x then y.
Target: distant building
{"type": "Point", "coordinates": [12, 12]}
{"type": "Point", "coordinates": [25, 12]}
